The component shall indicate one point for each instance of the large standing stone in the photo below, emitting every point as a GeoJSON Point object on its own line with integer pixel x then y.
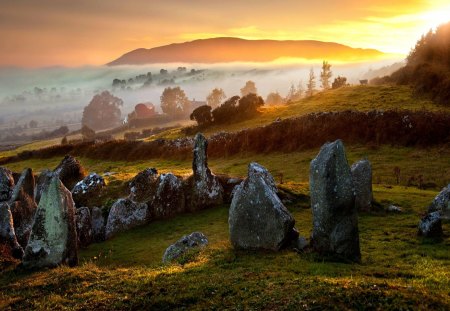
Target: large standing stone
{"type": "Point", "coordinates": [441, 203]}
{"type": "Point", "coordinates": [169, 197]}
{"type": "Point", "coordinates": [124, 215]}
{"type": "Point", "coordinates": [53, 239]}
{"type": "Point", "coordinates": [8, 238]}
{"type": "Point", "coordinates": [70, 171]}
{"type": "Point", "coordinates": [257, 217]}
{"type": "Point", "coordinates": [184, 245]}
{"type": "Point", "coordinates": [362, 180]}
{"type": "Point", "coordinates": [206, 188]}
{"type": "Point", "coordinates": [23, 206]}
{"type": "Point", "coordinates": [430, 226]}
{"type": "Point", "coordinates": [6, 184]}
{"type": "Point", "coordinates": [98, 222]}
{"type": "Point", "coordinates": [87, 191]}
{"type": "Point", "coordinates": [42, 181]}
{"type": "Point", "coordinates": [84, 226]}
{"type": "Point", "coordinates": [143, 185]}
{"type": "Point", "coordinates": [335, 220]}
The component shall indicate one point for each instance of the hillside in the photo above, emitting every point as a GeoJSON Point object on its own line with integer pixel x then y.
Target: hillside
{"type": "Point", "coordinates": [225, 50]}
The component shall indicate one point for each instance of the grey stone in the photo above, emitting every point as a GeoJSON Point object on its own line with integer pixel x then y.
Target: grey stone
{"type": "Point", "coordinates": [87, 191]}
{"type": "Point", "coordinates": [8, 237]}
{"type": "Point", "coordinates": [362, 180]}
{"type": "Point", "coordinates": [257, 218]}
{"type": "Point", "coordinates": [53, 239]}
{"type": "Point", "coordinates": [169, 198]}
{"type": "Point", "coordinates": [84, 226]}
{"type": "Point", "coordinates": [70, 171]}
{"type": "Point", "coordinates": [335, 221]}
{"type": "Point", "coordinates": [185, 245]}
{"type": "Point", "coordinates": [430, 226]}
{"type": "Point", "coordinates": [124, 215]}
{"type": "Point", "coordinates": [98, 223]}
{"type": "Point", "coordinates": [300, 243]}
{"type": "Point", "coordinates": [6, 184]}
{"type": "Point", "coordinates": [441, 203]}
{"type": "Point", "coordinates": [143, 185]}
{"type": "Point", "coordinates": [394, 209]}
{"type": "Point", "coordinates": [44, 178]}
{"type": "Point", "coordinates": [228, 185]}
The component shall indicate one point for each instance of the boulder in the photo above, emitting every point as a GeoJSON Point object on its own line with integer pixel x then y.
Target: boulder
{"type": "Point", "coordinates": [44, 178]}
{"type": "Point", "coordinates": [169, 197]}
{"type": "Point", "coordinates": [6, 184]}
{"type": "Point", "coordinates": [441, 203]}
{"type": "Point", "coordinates": [87, 191]}
{"type": "Point", "coordinates": [206, 188]}
{"type": "Point", "coordinates": [184, 246]}
{"type": "Point", "coordinates": [53, 238]}
{"type": "Point", "coordinates": [23, 206]}
{"type": "Point", "coordinates": [430, 226]}
{"type": "Point", "coordinates": [257, 217]}
{"type": "Point", "coordinates": [143, 185]}
{"type": "Point", "coordinates": [362, 180]}
{"type": "Point", "coordinates": [8, 240]}
{"type": "Point", "coordinates": [70, 171]}
{"type": "Point", "coordinates": [335, 221]}
{"type": "Point", "coordinates": [124, 215]}
{"type": "Point", "coordinates": [98, 223]}
{"type": "Point", "coordinates": [84, 226]}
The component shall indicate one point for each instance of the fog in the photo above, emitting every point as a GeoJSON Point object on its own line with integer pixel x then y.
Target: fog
{"type": "Point", "coordinates": [57, 95]}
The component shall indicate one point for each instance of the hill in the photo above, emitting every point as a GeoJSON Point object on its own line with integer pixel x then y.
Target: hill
{"type": "Point", "coordinates": [225, 50]}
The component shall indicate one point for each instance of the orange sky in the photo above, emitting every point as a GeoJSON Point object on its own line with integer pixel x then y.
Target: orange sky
{"type": "Point", "coordinates": [92, 32]}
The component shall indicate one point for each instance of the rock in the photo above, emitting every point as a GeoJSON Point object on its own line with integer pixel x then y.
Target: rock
{"type": "Point", "coordinates": [143, 185]}
{"type": "Point", "coordinates": [84, 226]}
{"type": "Point", "coordinates": [169, 198]}
{"type": "Point", "coordinates": [300, 243]}
{"type": "Point", "coordinates": [441, 203]}
{"type": "Point", "coordinates": [6, 184]}
{"type": "Point", "coordinates": [8, 240]}
{"type": "Point", "coordinates": [362, 180]}
{"type": "Point", "coordinates": [124, 215]}
{"type": "Point", "coordinates": [98, 225]}
{"type": "Point", "coordinates": [228, 185]}
{"type": "Point", "coordinates": [70, 171]}
{"type": "Point", "coordinates": [394, 209]}
{"type": "Point", "coordinates": [185, 245]}
{"type": "Point", "coordinates": [206, 189]}
{"type": "Point", "coordinates": [87, 191]}
{"type": "Point", "coordinates": [43, 180]}
{"type": "Point", "coordinates": [23, 206]}
{"type": "Point", "coordinates": [430, 226]}
{"type": "Point", "coordinates": [53, 239]}
{"type": "Point", "coordinates": [335, 221]}
{"type": "Point", "coordinates": [257, 218]}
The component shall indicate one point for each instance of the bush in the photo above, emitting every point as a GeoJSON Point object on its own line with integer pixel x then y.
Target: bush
{"type": "Point", "coordinates": [202, 115]}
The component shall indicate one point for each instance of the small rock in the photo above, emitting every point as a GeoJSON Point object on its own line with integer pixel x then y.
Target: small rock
{"type": "Point", "coordinates": [184, 245]}
{"type": "Point", "coordinates": [394, 209]}
{"type": "Point", "coordinates": [430, 226]}
{"type": "Point", "coordinates": [84, 226]}
{"type": "Point", "coordinates": [300, 243]}
{"type": "Point", "coordinates": [87, 191]}
{"type": "Point", "coordinates": [441, 203]}
{"type": "Point", "coordinates": [124, 215]}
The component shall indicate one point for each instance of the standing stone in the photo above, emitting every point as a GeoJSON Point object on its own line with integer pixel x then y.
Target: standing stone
{"type": "Point", "coordinates": [228, 185]}
{"type": "Point", "coordinates": [87, 191]}
{"type": "Point", "coordinates": [257, 217]}
{"type": "Point", "coordinates": [23, 206]}
{"type": "Point", "coordinates": [98, 225]}
{"type": "Point", "coordinates": [143, 185]}
{"type": "Point", "coordinates": [84, 226]}
{"type": "Point", "coordinates": [335, 220]}
{"type": "Point", "coordinates": [183, 246]}
{"type": "Point", "coordinates": [441, 203]}
{"type": "Point", "coordinates": [8, 238]}
{"type": "Point", "coordinates": [206, 188]}
{"type": "Point", "coordinates": [169, 197]}
{"type": "Point", "coordinates": [53, 239]}
{"type": "Point", "coordinates": [6, 184]}
{"type": "Point", "coordinates": [42, 181]}
{"type": "Point", "coordinates": [430, 226]}
{"type": "Point", "coordinates": [124, 215]}
{"type": "Point", "coordinates": [362, 180]}
{"type": "Point", "coordinates": [70, 171]}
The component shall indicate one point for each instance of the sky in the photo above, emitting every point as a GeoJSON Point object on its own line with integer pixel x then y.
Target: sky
{"type": "Point", "coordinates": [93, 32]}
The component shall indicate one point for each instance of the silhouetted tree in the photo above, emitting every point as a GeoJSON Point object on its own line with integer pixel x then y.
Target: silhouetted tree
{"type": "Point", "coordinates": [227, 111]}
{"type": "Point", "coordinates": [64, 141]}
{"type": "Point", "coordinates": [215, 97]}
{"type": "Point", "coordinates": [102, 112]}
{"type": "Point", "coordinates": [87, 133]}
{"type": "Point", "coordinates": [175, 103]}
{"type": "Point", "coordinates": [339, 82]}
{"type": "Point", "coordinates": [311, 83]}
{"type": "Point", "coordinates": [325, 75]}
{"type": "Point", "coordinates": [202, 115]}
{"type": "Point", "coordinates": [163, 72]}
{"type": "Point", "coordinates": [249, 87]}
{"type": "Point", "coordinates": [249, 104]}
{"type": "Point", "coordinates": [274, 98]}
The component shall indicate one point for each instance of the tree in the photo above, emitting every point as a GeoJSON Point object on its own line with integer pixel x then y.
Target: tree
{"type": "Point", "coordinates": [295, 93]}
{"type": "Point", "coordinates": [102, 112]}
{"type": "Point", "coordinates": [175, 103]}
{"type": "Point", "coordinates": [249, 87]}
{"type": "Point", "coordinates": [64, 141]}
{"type": "Point", "coordinates": [87, 133]}
{"type": "Point", "coordinates": [202, 115]}
{"type": "Point", "coordinates": [226, 112]}
{"type": "Point", "coordinates": [311, 83]}
{"type": "Point", "coordinates": [215, 97]}
{"type": "Point", "coordinates": [274, 98]}
{"type": "Point", "coordinates": [248, 105]}
{"type": "Point", "coordinates": [325, 75]}
{"type": "Point", "coordinates": [339, 82]}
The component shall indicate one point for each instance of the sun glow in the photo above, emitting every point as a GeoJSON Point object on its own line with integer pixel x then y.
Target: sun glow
{"type": "Point", "coordinates": [434, 18]}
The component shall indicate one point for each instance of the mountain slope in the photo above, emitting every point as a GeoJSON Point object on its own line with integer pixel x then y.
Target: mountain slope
{"type": "Point", "coordinates": [224, 50]}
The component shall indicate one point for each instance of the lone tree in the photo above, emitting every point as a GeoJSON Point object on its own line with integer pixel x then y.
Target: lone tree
{"type": "Point", "coordinates": [248, 105]}
{"type": "Point", "coordinates": [215, 97]}
{"type": "Point", "coordinates": [202, 115]}
{"type": "Point", "coordinates": [339, 82]}
{"type": "Point", "coordinates": [311, 83]}
{"type": "Point", "coordinates": [175, 103]}
{"type": "Point", "coordinates": [325, 75]}
{"type": "Point", "coordinates": [226, 112]}
{"type": "Point", "coordinates": [249, 87]}
{"type": "Point", "coordinates": [274, 99]}
{"type": "Point", "coordinates": [102, 112]}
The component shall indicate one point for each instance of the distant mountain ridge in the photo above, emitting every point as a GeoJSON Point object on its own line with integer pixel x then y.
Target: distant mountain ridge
{"type": "Point", "coordinates": [226, 50]}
